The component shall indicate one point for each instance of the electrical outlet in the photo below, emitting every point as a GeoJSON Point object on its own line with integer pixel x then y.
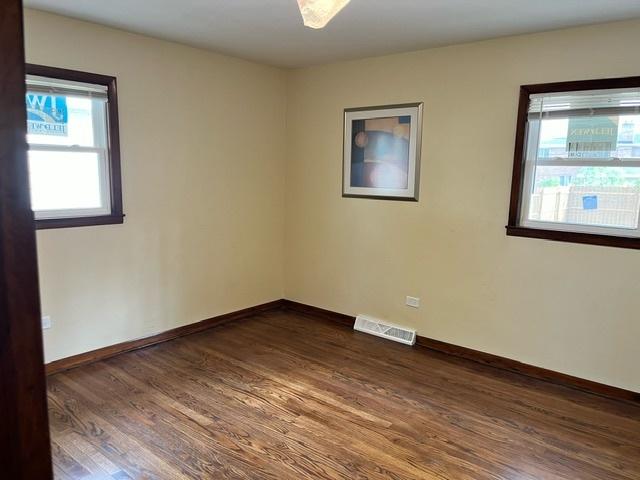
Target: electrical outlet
{"type": "Point", "coordinates": [413, 302]}
{"type": "Point", "coordinates": [46, 322]}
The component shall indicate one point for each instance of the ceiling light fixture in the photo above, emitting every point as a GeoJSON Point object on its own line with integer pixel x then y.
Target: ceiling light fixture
{"type": "Point", "coordinates": [317, 13]}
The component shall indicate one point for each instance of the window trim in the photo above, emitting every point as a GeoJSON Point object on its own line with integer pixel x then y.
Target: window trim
{"type": "Point", "coordinates": [116, 215]}
{"type": "Point", "coordinates": [514, 226]}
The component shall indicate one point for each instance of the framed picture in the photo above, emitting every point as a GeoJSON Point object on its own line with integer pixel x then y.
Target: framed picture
{"type": "Point", "coordinates": [382, 152]}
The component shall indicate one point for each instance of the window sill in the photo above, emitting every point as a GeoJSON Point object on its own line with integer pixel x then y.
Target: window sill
{"type": "Point", "coordinates": [575, 237]}
{"type": "Point", "coordinates": [49, 223]}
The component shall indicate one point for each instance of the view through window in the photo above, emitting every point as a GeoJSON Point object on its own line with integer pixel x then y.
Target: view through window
{"type": "Point", "coordinates": [70, 150]}
{"type": "Point", "coordinates": [582, 162]}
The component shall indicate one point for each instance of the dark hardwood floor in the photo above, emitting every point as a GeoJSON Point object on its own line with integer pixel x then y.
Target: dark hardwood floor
{"type": "Point", "coordinates": [282, 396]}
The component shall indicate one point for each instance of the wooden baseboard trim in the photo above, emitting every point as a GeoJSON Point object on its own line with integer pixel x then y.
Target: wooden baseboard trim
{"type": "Point", "coordinates": [74, 361]}
{"type": "Point", "coordinates": [477, 356]}
{"type": "Point", "coordinates": [527, 370]}
{"type": "Point", "coordinates": [488, 359]}
{"type": "Point", "coordinates": [317, 312]}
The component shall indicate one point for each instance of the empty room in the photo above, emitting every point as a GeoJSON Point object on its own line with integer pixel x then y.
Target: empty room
{"type": "Point", "coordinates": [320, 239]}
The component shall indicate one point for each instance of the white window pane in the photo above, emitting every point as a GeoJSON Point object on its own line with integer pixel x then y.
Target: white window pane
{"type": "Point", "coordinates": [586, 195]}
{"type": "Point", "coordinates": [64, 180]}
{"type": "Point", "coordinates": [65, 120]}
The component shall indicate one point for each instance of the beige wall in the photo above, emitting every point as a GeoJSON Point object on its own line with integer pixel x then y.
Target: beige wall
{"type": "Point", "coordinates": [203, 160]}
{"type": "Point", "coordinates": [567, 307]}
{"type": "Point", "coordinates": [209, 230]}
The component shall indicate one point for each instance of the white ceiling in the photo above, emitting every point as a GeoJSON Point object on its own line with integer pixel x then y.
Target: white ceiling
{"type": "Point", "coordinates": [271, 31]}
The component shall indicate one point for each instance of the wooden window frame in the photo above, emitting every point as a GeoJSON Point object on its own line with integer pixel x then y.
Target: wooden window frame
{"type": "Point", "coordinates": [116, 215]}
{"type": "Point", "coordinates": [514, 228]}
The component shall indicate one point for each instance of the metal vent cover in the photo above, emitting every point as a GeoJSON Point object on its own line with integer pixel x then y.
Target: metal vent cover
{"type": "Point", "coordinates": [386, 330]}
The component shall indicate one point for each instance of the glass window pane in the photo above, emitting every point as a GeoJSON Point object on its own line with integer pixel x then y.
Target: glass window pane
{"type": "Point", "coordinates": [64, 180]}
{"type": "Point", "coordinates": [586, 195]}
{"type": "Point", "coordinates": [65, 120]}
{"type": "Point", "coordinates": [590, 137]}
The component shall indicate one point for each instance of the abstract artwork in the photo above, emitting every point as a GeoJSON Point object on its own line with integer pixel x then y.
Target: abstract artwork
{"type": "Point", "coordinates": [382, 151]}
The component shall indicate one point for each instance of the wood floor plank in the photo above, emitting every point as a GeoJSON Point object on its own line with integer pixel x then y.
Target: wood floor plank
{"type": "Point", "coordinates": [284, 396]}
{"type": "Point", "coordinates": [123, 450]}
{"type": "Point", "coordinates": [495, 408]}
{"type": "Point", "coordinates": [254, 411]}
{"type": "Point", "coordinates": [461, 437]}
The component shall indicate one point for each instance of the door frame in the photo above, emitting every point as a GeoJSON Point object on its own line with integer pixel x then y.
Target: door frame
{"type": "Point", "coordinates": [25, 452]}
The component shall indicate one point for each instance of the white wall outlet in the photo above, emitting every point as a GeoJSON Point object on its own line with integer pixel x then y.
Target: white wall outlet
{"type": "Point", "coordinates": [46, 322]}
{"type": "Point", "coordinates": [413, 302]}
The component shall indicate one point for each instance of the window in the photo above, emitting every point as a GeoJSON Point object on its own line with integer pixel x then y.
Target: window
{"type": "Point", "coordinates": [576, 174]}
{"type": "Point", "coordinates": [74, 153]}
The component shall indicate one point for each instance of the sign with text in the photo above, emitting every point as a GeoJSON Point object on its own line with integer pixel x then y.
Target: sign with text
{"type": "Point", "coordinates": [592, 137]}
{"type": "Point", "coordinates": [47, 114]}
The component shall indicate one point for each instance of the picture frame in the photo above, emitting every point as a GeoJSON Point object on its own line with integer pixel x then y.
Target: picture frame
{"type": "Point", "coordinates": [382, 149]}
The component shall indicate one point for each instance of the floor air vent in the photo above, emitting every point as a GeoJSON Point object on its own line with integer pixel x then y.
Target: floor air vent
{"type": "Point", "coordinates": [386, 330]}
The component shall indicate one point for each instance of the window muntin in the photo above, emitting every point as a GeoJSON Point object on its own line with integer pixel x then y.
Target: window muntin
{"type": "Point", "coordinates": [74, 158]}
{"type": "Point", "coordinates": [582, 162]}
